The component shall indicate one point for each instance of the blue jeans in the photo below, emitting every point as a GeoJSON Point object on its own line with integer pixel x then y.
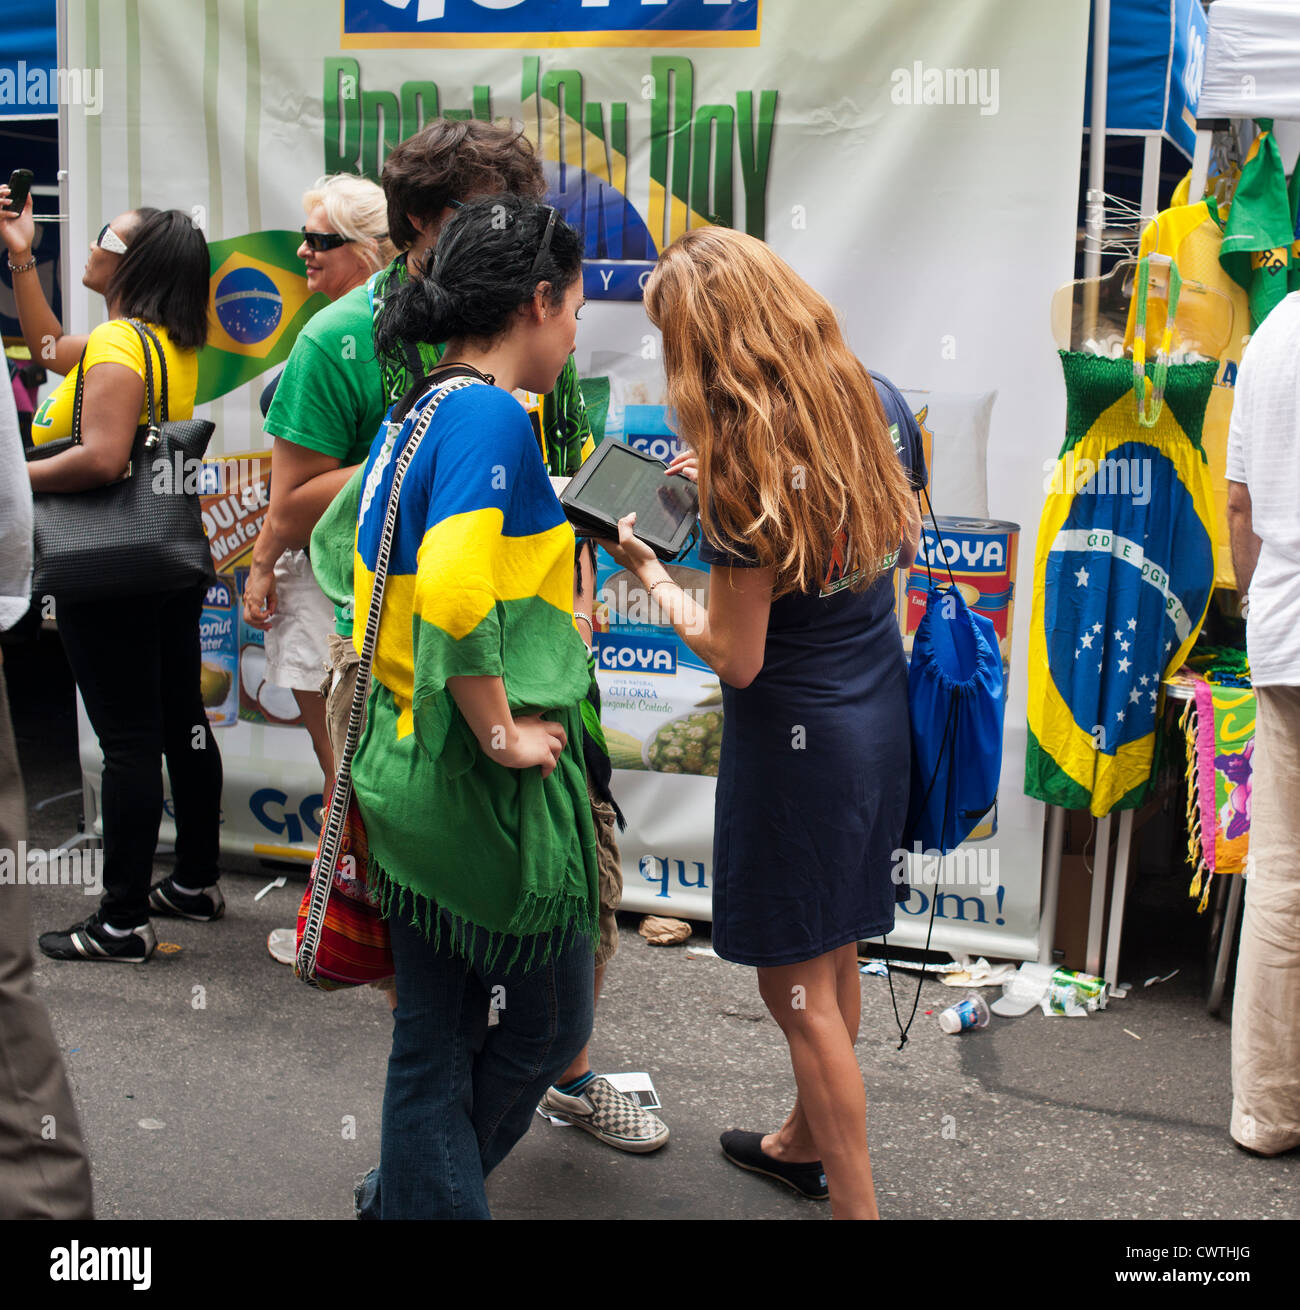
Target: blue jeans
{"type": "Point", "coordinates": [460, 1094]}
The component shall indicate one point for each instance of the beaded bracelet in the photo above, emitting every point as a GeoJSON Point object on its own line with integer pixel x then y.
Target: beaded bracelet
{"type": "Point", "coordinates": [21, 268]}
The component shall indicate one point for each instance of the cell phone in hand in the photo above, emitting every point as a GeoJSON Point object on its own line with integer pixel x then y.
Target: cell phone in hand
{"type": "Point", "coordinates": [20, 183]}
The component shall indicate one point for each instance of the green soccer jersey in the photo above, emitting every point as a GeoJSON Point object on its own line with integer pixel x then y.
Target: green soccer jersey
{"type": "Point", "coordinates": [330, 397]}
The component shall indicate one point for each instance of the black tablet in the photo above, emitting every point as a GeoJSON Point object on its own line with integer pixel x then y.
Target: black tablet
{"type": "Point", "coordinates": [616, 480]}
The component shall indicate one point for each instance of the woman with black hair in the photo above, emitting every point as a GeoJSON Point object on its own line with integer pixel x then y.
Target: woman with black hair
{"type": "Point", "coordinates": [135, 659]}
{"type": "Point", "coordinates": [469, 774]}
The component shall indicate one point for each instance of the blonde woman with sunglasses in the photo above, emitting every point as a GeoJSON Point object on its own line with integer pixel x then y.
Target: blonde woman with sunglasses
{"type": "Point", "coordinates": [344, 241]}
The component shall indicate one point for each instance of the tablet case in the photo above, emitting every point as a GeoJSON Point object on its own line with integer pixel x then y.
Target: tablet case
{"type": "Point", "coordinates": [592, 524]}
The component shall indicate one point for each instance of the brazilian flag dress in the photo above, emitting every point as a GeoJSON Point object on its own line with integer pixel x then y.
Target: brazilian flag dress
{"type": "Point", "coordinates": [1123, 574]}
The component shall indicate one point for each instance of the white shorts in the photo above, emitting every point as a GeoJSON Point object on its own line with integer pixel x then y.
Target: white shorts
{"type": "Point", "coordinates": [297, 642]}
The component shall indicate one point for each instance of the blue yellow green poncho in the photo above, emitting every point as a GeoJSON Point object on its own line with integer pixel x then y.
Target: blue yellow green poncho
{"type": "Point", "coordinates": [480, 583]}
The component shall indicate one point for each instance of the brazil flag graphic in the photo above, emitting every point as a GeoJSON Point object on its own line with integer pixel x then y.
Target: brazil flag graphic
{"type": "Point", "coordinates": [258, 303]}
{"type": "Point", "coordinates": [1122, 579]}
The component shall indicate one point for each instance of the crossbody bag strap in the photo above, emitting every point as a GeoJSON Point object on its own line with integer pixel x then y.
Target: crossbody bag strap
{"type": "Point", "coordinates": [332, 832]}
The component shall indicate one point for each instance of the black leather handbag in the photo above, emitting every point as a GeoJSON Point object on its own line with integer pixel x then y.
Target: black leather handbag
{"type": "Point", "coordinates": [142, 534]}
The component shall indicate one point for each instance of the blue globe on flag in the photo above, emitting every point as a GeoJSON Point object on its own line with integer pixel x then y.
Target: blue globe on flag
{"type": "Point", "coordinates": [248, 305]}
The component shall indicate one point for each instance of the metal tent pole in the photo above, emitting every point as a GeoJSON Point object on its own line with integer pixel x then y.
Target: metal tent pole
{"type": "Point", "coordinates": [1095, 209]}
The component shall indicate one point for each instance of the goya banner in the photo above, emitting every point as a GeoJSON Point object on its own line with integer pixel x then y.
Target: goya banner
{"type": "Point", "coordinates": [916, 163]}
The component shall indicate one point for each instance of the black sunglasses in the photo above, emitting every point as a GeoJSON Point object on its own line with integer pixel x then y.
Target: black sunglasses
{"type": "Point", "coordinates": [319, 241]}
{"type": "Point", "coordinates": [546, 241]}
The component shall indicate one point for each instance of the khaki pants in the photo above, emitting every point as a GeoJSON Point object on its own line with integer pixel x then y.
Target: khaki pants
{"type": "Point", "coordinates": [609, 876]}
{"type": "Point", "coordinates": [340, 682]}
{"type": "Point", "coordinates": [43, 1169]}
{"type": "Point", "coordinates": [1266, 1005]}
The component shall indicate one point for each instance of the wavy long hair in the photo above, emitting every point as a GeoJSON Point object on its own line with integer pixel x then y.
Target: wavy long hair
{"type": "Point", "coordinates": [795, 456]}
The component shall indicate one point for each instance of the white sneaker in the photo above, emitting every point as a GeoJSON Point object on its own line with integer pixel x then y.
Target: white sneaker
{"type": "Point", "coordinates": [283, 945]}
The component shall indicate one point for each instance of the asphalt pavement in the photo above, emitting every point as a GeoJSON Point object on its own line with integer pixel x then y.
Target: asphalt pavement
{"type": "Point", "coordinates": [211, 1084]}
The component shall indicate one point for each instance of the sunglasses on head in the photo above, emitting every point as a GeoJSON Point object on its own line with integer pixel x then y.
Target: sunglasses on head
{"type": "Point", "coordinates": [110, 241]}
{"type": "Point", "coordinates": [546, 241]}
{"type": "Point", "coordinates": [319, 241]}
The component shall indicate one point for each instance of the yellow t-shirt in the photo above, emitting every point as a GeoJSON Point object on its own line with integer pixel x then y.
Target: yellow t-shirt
{"type": "Point", "coordinates": [116, 342]}
{"type": "Point", "coordinates": [1190, 235]}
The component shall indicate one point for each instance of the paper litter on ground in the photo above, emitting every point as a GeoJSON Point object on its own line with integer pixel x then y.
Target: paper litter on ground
{"type": "Point", "coordinates": [908, 966]}
{"type": "Point", "coordinates": [979, 973]}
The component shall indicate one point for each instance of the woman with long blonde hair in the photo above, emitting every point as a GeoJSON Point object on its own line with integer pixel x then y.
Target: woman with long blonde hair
{"type": "Point", "coordinates": [807, 508]}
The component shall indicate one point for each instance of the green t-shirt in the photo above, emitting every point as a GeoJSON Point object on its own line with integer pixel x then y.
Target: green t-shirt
{"type": "Point", "coordinates": [330, 398]}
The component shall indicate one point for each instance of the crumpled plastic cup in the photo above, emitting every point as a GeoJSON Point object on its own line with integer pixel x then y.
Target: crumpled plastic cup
{"type": "Point", "coordinates": [1026, 990]}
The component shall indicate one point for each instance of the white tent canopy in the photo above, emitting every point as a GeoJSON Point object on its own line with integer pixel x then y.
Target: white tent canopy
{"type": "Point", "coordinates": [1252, 60]}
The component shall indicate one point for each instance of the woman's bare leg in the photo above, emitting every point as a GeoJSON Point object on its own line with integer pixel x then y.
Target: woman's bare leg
{"type": "Point", "coordinates": [311, 705]}
{"type": "Point", "coordinates": [804, 999]}
{"type": "Point", "coordinates": [793, 1141]}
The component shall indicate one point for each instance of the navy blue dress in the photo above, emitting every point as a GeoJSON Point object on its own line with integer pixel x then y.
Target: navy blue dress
{"type": "Point", "coordinates": [815, 765]}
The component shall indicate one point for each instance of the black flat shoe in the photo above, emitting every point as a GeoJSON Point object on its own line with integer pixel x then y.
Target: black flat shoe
{"type": "Point", "coordinates": [745, 1150]}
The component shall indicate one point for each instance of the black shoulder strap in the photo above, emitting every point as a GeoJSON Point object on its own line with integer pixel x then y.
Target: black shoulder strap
{"type": "Point", "coordinates": [414, 363]}
{"type": "Point", "coordinates": [151, 407]}
{"type": "Point", "coordinates": [157, 413]}
{"type": "Point", "coordinates": [442, 373]}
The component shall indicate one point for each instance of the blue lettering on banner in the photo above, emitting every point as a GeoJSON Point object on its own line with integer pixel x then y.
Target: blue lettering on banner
{"type": "Point", "coordinates": [655, 444]}
{"type": "Point", "coordinates": [617, 654]}
{"type": "Point", "coordinates": [660, 870]}
{"type": "Point", "coordinates": [615, 280]}
{"type": "Point", "coordinates": [271, 809]}
{"type": "Point", "coordinates": [558, 22]}
{"type": "Point", "coordinates": [976, 553]}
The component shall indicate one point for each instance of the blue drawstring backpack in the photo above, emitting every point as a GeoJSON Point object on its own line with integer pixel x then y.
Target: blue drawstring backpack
{"type": "Point", "coordinates": [954, 693]}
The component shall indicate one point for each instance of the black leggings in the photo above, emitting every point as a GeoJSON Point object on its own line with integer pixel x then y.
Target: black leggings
{"type": "Point", "coordinates": [136, 662]}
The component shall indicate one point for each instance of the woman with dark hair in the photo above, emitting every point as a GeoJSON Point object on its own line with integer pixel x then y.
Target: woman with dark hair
{"type": "Point", "coordinates": [469, 774]}
{"type": "Point", "coordinates": [135, 659]}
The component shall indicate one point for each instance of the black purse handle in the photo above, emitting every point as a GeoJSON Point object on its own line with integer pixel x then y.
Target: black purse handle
{"type": "Point", "coordinates": [144, 330]}
{"type": "Point", "coordinates": [146, 336]}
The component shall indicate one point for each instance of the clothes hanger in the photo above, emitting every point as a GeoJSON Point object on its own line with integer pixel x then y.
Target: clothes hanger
{"type": "Point", "coordinates": [1092, 314]}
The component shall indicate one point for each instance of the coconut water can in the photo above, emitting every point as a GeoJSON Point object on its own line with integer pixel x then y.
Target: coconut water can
{"type": "Point", "coordinates": [219, 653]}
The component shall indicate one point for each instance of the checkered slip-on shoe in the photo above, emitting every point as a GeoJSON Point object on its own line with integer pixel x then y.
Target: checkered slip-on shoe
{"type": "Point", "coordinates": [608, 1114]}
{"type": "Point", "coordinates": [88, 941]}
